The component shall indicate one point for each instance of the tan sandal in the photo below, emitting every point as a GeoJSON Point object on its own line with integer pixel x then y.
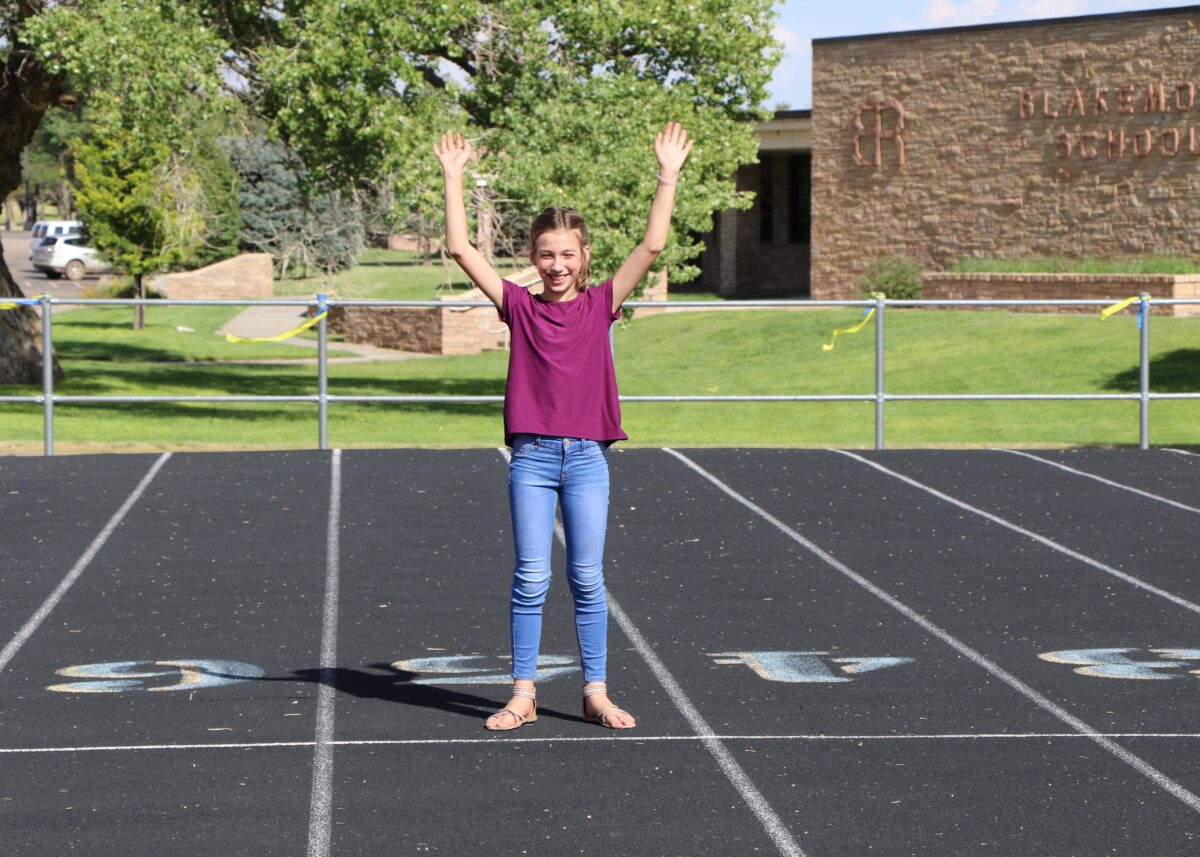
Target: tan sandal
{"type": "Point", "coordinates": [517, 720]}
{"type": "Point", "coordinates": [602, 717]}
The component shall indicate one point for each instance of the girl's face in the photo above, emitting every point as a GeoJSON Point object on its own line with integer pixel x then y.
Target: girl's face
{"type": "Point", "coordinates": [560, 257]}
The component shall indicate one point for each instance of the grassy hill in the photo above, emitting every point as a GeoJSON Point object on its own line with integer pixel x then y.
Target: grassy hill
{"type": "Point", "coordinates": [728, 352]}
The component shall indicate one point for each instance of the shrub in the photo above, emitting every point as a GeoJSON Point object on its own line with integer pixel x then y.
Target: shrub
{"type": "Point", "coordinates": [898, 277]}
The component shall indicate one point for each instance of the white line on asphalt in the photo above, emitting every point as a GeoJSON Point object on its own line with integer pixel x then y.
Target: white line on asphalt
{"type": "Point", "coordinates": [1050, 543]}
{"type": "Point", "coordinates": [1109, 482]}
{"type": "Point", "coordinates": [729, 766]}
{"type": "Point", "coordinates": [1138, 764]}
{"type": "Point", "coordinates": [1182, 452]}
{"type": "Point", "coordinates": [82, 563]}
{"type": "Point", "coordinates": [604, 739]}
{"type": "Point", "coordinates": [321, 806]}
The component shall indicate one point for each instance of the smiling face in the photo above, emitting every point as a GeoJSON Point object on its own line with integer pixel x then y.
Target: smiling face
{"type": "Point", "coordinates": [561, 257]}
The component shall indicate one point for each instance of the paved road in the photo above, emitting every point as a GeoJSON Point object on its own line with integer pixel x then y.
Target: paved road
{"type": "Point", "coordinates": [15, 246]}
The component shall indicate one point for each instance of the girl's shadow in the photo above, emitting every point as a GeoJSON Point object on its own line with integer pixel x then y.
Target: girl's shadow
{"type": "Point", "coordinates": [395, 685]}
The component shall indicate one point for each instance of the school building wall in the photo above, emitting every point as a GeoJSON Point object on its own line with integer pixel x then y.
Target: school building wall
{"type": "Point", "coordinates": [1075, 137]}
{"type": "Point", "coordinates": [765, 250]}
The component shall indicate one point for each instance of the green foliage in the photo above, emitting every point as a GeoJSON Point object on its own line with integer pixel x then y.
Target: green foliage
{"type": "Point", "coordinates": [563, 100]}
{"type": "Point", "coordinates": [148, 65]}
{"type": "Point", "coordinates": [152, 186]}
{"type": "Point", "coordinates": [898, 277]}
{"type": "Point", "coordinates": [281, 214]}
{"type": "Point", "coordinates": [48, 166]}
{"type": "Point", "coordinates": [1086, 265]}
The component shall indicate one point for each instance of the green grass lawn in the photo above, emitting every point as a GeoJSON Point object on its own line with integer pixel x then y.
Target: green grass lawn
{"type": "Point", "coordinates": [393, 275]}
{"type": "Point", "coordinates": [732, 352]}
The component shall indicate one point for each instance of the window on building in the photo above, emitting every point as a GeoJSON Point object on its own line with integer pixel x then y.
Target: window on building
{"type": "Point", "coordinates": [800, 199]}
{"type": "Point", "coordinates": [766, 198]}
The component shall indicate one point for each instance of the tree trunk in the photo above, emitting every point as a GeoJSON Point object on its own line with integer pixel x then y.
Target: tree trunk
{"type": "Point", "coordinates": [20, 338]}
{"type": "Point", "coordinates": [27, 91]}
{"type": "Point", "coordinates": [139, 311]}
{"type": "Point", "coordinates": [485, 223]}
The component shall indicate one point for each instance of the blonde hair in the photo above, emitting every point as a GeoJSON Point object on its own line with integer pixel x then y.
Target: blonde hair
{"type": "Point", "coordinates": [557, 219]}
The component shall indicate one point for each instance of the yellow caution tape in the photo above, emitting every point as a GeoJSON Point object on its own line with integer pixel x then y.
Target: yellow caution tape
{"type": "Point", "coordinates": [847, 331]}
{"type": "Point", "coordinates": [279, 337]}
{"type": "Point", "coordinates": [1117, 307]}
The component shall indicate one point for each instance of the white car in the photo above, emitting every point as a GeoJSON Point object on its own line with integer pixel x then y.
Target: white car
{"type": "Point", "coordinates": [51, 228]}
{"type": "Point", "coordinates": [66, 254]}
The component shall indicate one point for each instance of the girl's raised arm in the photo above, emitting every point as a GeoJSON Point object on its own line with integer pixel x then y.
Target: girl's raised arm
{"type": "Point", "coordinates": [454, 152]}
{"type": "Point", "coordinates": [671, 147]}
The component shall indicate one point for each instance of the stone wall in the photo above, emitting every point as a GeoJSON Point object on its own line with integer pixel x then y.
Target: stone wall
{"type": "Point", "coordinates": [1114, 287]}
{"type": "Point", "coordinates": [453, 330]}
{"type": "Point", "coordinates": [250, 275]}
{"type": "Point", "coordinates": [1070, 138]}
{"type": "Point", "coordinates": [402, 328]}
{"type": "Point", "coordinates": [433, 330]}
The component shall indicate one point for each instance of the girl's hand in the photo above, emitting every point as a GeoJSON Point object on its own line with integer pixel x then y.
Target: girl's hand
{"type": "Point", "coordinates": [671, 147]}
{"type": "Point", "coordinates": [453, 153]}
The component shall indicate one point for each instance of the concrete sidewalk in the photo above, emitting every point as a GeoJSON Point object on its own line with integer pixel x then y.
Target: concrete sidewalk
{"type": "Point", "coordinates": [266, 320]}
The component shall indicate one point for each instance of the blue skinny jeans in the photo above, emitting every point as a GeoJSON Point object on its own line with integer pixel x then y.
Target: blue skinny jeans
{"type": "Point", "coordinates": [544, 472]}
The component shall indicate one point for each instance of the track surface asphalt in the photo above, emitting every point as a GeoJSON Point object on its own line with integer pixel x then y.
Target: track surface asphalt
{"type": "Point", "coordinates": [900, 653]}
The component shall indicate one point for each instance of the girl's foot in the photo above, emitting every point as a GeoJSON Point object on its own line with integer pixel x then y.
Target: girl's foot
{"type": "Point", "coordinates": [598, 707]}
{"type": "Point", "coordinates": [521, 709]}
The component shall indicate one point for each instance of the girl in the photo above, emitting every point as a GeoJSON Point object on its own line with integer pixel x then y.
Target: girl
{"type": "Point", "coordinates": [560, 415]}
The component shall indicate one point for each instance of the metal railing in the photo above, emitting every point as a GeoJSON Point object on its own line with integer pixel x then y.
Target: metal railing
{"type": "Point", "coordinates": [323, 398]}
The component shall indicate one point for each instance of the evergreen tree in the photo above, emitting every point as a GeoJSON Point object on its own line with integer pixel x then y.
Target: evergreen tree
{"type": "Point", "coordinates": [281, 214]}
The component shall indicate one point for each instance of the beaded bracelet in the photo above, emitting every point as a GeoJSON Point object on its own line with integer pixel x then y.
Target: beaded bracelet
{"type": "Point", "coordinates": [667, 182]}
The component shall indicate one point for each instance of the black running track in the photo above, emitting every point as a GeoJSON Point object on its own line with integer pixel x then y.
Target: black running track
{"type": "Point", "coordinates": [902, 653]}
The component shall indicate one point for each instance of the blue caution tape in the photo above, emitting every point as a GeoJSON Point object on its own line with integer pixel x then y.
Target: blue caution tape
{"type": "Point", "coordinates": [867, 313]}
{"type": "Point", "coordinates": [1120, 305]}
{"type": "Point", "coordinates": [19, 302]}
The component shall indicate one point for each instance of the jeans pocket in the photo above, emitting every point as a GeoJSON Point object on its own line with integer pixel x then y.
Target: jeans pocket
{"type": "Point", "coordinates": [523, 446]}
{"type": "Point", "coordinates": [595, 450]}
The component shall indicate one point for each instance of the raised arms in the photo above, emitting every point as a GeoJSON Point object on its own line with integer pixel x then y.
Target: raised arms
{"type": "Point", "coordinates": [454, 152]}
{"type": "Point", "coordinates": [671, 147]}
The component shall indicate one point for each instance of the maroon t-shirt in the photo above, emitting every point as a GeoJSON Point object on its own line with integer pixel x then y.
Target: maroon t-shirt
{"type": "Point", "coordinates": [561, 380]}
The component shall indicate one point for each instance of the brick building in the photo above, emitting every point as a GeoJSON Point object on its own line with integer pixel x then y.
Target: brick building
{"type": "Point", "coordinates": [1066, 137]}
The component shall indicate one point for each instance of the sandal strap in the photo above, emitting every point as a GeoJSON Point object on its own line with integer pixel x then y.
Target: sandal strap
{"type": "Point", "coordinates": [595, 688]}
{"type": "Point", "coordinates": [523, 692]}
{"type": "Point", "coordinates": [602, 717]}
{"type": "Point", "coordinates": [520, 720]}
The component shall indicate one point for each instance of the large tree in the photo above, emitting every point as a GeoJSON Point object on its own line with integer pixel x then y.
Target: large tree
{"type": "Point", "coordinates": [27, 90]}
{"type": "Point", "coordinates": [562, 98]}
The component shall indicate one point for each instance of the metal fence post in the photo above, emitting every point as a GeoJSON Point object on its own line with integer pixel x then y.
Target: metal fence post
{"type": "Point", "coordinates": [322, 376]}
{"type": "Point", "coordinates": [47, 377]}
{"type": "Point", "coordinates": [879, 299]}
{"type": "Point", "coordinates": [1144, 371]}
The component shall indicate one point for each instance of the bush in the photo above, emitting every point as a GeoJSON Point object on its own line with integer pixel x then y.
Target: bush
{"type": "Point", "coordinates": [898, 277]}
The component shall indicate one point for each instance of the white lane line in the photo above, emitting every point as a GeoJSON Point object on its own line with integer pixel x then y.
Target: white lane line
{"type": "Point", "coordinates": [1050, 543]}
{"type": "Point", "coordinates": [1182, 452]}
{"type": "Point", "coordinates": [610, 739]}
{"type": "Point", "coordinates": [1101, 479]}
{"type": "Point", "coordinates": [704, 733]}
{"type": "Point", "coordinates": [1138, 764]}
{"type": "Point", "coordinates": [15, 644]}
{"type": "Point", "coordinates": [320, 815]}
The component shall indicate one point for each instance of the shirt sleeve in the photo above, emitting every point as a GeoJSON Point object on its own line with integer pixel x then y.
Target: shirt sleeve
{"type": "Point", "coordinates": [607, 291]}
{"type": "Point", "coordinates": [511, 295]}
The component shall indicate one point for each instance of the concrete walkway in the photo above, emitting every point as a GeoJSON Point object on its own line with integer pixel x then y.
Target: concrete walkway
{"type": "Point", "coordinates": [266, 320]}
